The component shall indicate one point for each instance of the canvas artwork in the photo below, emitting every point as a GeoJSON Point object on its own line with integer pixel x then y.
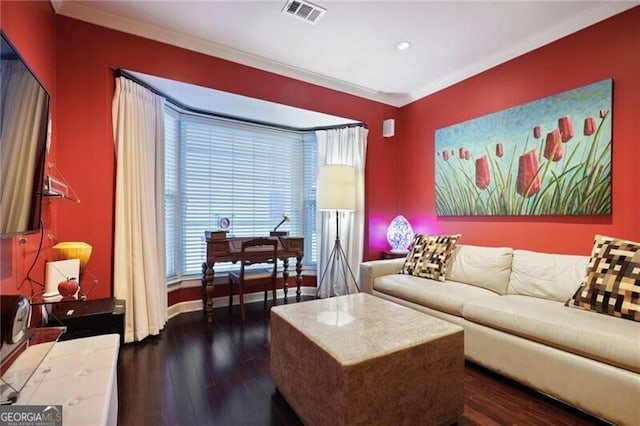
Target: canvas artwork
{"type": "Point", "coordinates": [547, 157]}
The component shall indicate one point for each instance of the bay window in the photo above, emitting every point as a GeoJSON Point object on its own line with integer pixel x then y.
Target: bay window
{"type": "Point", "coordinates": [252, 175]}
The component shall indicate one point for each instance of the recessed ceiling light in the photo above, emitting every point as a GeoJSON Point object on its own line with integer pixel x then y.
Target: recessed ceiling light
{"type": "Point", "coordinates": [403, 45]}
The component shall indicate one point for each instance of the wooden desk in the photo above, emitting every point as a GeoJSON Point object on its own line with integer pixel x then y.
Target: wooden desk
{"type": "Point", "coordinates": [228, 250]}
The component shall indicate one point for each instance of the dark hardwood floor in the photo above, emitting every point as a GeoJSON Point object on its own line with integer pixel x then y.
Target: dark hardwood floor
{"type": "Point", "coordinates": [196, 373]}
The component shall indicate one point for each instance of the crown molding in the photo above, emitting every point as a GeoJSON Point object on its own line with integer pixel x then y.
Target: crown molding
{"type": "Point", "coordinates": [84, 13]}
{"type": "Point", "coordinates": [562, 29]}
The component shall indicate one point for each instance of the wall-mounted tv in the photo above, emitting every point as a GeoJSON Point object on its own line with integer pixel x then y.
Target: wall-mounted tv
{"type": "Point", "coordinates": [24, 116]}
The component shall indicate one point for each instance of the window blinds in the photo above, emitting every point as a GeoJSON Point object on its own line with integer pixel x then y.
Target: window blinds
{"type": "Point", "coordinates": [252, 175]}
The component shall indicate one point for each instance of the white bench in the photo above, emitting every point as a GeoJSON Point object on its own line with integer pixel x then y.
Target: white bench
{"type": "Point", "coordinates": [81, 376]}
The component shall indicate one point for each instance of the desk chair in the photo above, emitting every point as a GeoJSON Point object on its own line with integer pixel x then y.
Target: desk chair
{"type": "Point", "coordinates": [254, 251]}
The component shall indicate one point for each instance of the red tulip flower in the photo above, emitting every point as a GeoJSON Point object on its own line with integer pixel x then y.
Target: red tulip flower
{"type": "Point", "coordinates": [552, 146]}
{"type": "Point", "coordinates": [528, 182]}
{"type": "Point", "coordinates": [499, 150]}
{"type": "Point", "coordinates": [603, 113]}
{"type": "Point", "coordinates": [537, 132]}
{"type": "Point", "coordinates": [589, 126]}
{"type": "Point", "coordinates": [467, 156]}
{"type": "Point", "coordinates": [565, 124]}
{"type": "Point", "coordinates": [461, 153]}
{"type": "Point", "coordinates": [483, 174]}
{"type": "Point", "coordinates": [445, 155]}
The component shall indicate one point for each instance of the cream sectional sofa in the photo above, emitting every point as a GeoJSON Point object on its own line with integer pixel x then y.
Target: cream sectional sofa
{"type": "Point", "coordinates": [511, 305]}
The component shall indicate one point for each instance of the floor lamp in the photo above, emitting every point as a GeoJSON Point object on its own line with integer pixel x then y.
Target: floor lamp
{"type": "Point", "coordinates": [336, 191]}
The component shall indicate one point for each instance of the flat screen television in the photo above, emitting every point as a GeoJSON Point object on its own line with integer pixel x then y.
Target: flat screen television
{"type": "Point", "coordinates": [24, 117]}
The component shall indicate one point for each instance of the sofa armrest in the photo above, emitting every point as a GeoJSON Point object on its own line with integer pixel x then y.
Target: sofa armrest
{"type": "Point", "coordinates": [371, 270]}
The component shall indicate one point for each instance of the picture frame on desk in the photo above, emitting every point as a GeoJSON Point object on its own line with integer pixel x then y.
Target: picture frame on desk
{"type": "Point", "coordinates": [224, 223]}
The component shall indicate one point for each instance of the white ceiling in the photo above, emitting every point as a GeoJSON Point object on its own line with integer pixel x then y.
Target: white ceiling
{"type": "Point", "coordinates": [352, 47]}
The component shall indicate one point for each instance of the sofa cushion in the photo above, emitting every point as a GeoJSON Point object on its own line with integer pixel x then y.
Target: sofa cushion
{"type": "Point", "coordinates": [607, 339]}
{"type": "Point", "coordinates": [445, 296]}
{"type": "Point", "coordinates": [487, 267]}
{"type": "Point", "coordinates": [612, 285]}
{"type": "Point", "coordinates": [429, 256]}
{"type": "Point", "coordinates": [544, 275]}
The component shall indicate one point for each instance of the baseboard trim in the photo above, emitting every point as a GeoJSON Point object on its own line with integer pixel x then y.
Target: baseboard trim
{"type": "Point", "coordinates": [183, 307]}
{"type": "Point", "coordinates": [219, 302]}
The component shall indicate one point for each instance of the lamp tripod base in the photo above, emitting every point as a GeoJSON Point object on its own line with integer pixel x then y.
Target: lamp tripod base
{"type": "Point", "coordinates": [337, 259]}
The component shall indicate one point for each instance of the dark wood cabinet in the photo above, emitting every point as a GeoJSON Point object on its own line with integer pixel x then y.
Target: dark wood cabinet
{"type": "Point", "coordinates": [88, 318]}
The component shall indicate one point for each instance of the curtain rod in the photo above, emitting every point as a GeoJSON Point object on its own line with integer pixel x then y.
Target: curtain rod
{"type": "Point", "coordinates": [122, 73]}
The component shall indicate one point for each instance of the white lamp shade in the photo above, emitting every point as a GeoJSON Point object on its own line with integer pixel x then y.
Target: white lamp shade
{"type": "Point", "coordinates": [336, 188]}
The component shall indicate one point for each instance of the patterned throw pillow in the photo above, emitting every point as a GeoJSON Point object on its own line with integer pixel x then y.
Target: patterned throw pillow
{"type": "Point", "coordinates": [612, 285]}
{"type": "Point", "coordinates": [430, 256]}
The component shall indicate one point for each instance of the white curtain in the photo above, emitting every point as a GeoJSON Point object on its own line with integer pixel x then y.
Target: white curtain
{"type": "Point", "coordinates": [342, 146]}
{"type": "Point", "coordinates": [139, 250]}
{"type": "Point", "coordinates": [22, 100]}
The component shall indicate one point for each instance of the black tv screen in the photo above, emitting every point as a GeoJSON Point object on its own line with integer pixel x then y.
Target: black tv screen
{"type": "Point", "coordinates": [24, 116]}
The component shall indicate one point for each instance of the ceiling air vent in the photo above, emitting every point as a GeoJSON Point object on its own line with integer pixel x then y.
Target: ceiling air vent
{"type": "Point", "coordinates": [309, 12]}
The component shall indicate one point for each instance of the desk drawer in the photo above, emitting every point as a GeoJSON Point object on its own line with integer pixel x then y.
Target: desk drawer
{"type": "Point", "coordinates": [293, 244]}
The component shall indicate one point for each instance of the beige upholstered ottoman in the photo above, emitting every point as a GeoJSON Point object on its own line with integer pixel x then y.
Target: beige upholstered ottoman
{"type": "Point", "coordinates": [359, 359]}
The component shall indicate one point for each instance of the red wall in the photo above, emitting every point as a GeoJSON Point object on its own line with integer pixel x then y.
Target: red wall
{"type": "Point", "coordinates": [87, 55]}
{"type": "Point", "coordinates": [31, 28]}
{"type": "Point", "coordinates": [74, 60]}
{"type": "Point", "coordinates": [610, 49]}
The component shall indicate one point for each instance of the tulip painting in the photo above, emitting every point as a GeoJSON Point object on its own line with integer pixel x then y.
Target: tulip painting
{"type": "Point", "coordinates": [589, 126]}
{"type": "Point", "coordinates": [565, 125]}
{"type": "Point", "coordinates": [537, 131]}
{"type": "Point", "coordinates": [528, 182]}
{"type": "Point", "coordinates": [552, 146]}
{"type": "Point", "coordinates": [503, 163]}
{"type": "Point", "coordinates": [483, 175]}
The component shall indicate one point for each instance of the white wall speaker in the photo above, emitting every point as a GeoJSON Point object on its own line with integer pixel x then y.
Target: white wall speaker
{"type": "Point", "coordinates": [388, 128]}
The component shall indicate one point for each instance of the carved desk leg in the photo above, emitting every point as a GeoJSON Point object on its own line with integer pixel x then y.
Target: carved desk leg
{"type": "Point", "coordinates": [203, 280]}
{"type": "Point", "coordinates": [207, 290]}
{"type": "Point", "coordinates": [298, 276]}
{"type": "Point", "coordinates": [285, 277]}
